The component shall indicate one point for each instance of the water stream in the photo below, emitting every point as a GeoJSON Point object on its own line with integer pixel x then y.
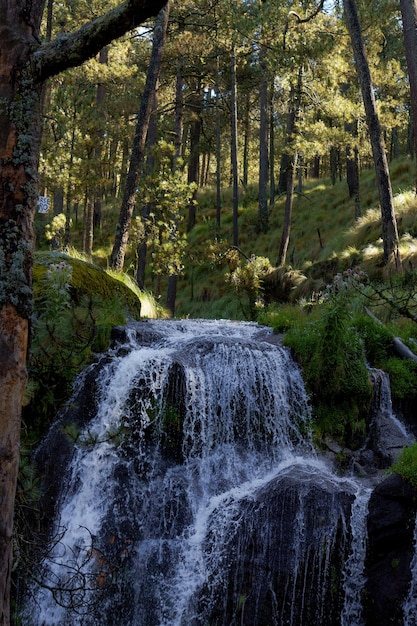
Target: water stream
{"type": "Point", "coordinates": [194, 495]}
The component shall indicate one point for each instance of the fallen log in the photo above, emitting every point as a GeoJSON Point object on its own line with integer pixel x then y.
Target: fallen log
{"type": "Point", "coordinates": [400, 348]}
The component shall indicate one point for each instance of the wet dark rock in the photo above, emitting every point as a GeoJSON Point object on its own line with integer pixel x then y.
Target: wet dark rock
{"type": "Point", "coordinates": [290, 541]}
{"type": "Point", "coordinates": [391, 521]}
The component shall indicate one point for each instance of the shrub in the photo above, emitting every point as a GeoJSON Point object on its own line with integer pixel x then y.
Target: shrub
{"type": "Point", "coordinates": [378, 341]}
{"type": "Point", "coordinates": [282, 318]}
{"type": "Point", "coordinates": [403, 377]}
{"type": "Point", "coordinates": [406, 464]}
{"type": "Point", "coordinates": [332, 357]}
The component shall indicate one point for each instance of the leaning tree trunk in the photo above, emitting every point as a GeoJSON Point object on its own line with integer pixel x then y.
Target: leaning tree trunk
{"type": "Point", "coordinates": [286, 229]}
{"type": "Point", "coordinates": [128, 204]}
{"type": "Point", "coordinates": [389, 225]}
{"type": "Point", "coordinates": [25, 65]}
{"type": "Point", "coordinates": [409, 15]}
{"type": "Point", "coordinates": [291, 161]}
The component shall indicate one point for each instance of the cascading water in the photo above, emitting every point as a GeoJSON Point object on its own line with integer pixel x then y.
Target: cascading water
{"type": "Point", "coordinates": [194, 496]}
{"type": "Point", "coordinates": [410, 604]}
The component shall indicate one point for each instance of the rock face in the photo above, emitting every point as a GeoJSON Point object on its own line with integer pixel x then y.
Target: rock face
{"type": "Point", "coordinates": [272, 547]}
{"type": "Point", "coordinates": [391, 520]}
{"type": "Point", "coordinates": [288, 545]}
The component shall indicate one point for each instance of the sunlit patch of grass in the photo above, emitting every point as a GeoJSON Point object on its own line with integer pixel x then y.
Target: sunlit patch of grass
{"type": "Point", "coordinates": [149, 307]}
{"type": "Point", "coordinates": [408, 251]}
{"type": "Point", "coordinates": [372, 256]}
{"type": "Point", "coordinates": [366, 229]}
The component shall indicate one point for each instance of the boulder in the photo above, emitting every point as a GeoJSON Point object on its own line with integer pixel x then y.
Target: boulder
{"type": "Point", "coordinates": [391, 522]}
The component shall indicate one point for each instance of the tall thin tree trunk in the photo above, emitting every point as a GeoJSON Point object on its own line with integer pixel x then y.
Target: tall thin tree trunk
{"type": "Point", "coordinates": [409, 16]}
{"type": "Point", "coordinates": [352, 168]}
{"type": "Point", "coordinates": [89, 227]}
{"type": "Point", "coordinates": [287, 157]}
{"type": "Point", "coordinates": [136, 161]}
{"type": "Point", "coordinates": [291, 163]}
{"type": "Point", "coordinates": [286, 230]}
{"type": "Point", "coordinates": [271, 146]}
{"type": "Point", "coordinates": [98, 144]}
{"type": "Point", "coordinates": [67, 233]}
{"type": "Point", "coordinates": [389, 225]}
{"type": "Point", "coordinates": [142, 248]}
{"type": "Point", "coordinates": [194, 158]}
{"type": "Point", "coordinates": [218, 151]}
{"type": "Point", "coordinates": [246, 140]}
{"type": "Point", "coordinates": [235, 174]}
{"type": "Point", "coordinates": [263, 148]}
{"type": "Point", "coordinates": [179, 115]}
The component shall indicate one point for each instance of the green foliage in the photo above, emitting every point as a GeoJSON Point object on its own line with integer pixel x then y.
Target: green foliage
{"type": "Point", "coordinates": [167, 195]}
{"type": "Point", "coordinates": [247, 280]}
{"type": "Point", "coordinates": [283, 318]}
{"type": "Point", "coordinates": [76, 306]}
{"type": "Point", "coordinates": [406, 464]}
{"type": "Point", "coordinates": [55, 231]}
{"type": "Point", "coordinates": [377, 339]}
{"type": "Point", "coordinates": [403, 377]}
{"type": "Point", "coordinates": [63, 334]}
{"type": "Point", "coordinates": [332, 357]}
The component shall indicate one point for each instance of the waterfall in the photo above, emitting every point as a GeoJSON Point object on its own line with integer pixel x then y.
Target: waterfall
{"type": "Point", "coordinates": [388, 435]}
{"type": "Point", "coordinates": [194, 496]}
{"type": "Point", "coordinates": [354, 578]}
{"type": "Point", "coordinates": [410, 604]}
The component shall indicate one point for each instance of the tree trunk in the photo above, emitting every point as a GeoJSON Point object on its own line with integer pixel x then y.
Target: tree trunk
{"type": "Point", "coordinates": [334, 163]}
{"type": "Point", "coordinates": [67, 235]}
{"type": "Point", "coordinates": [246, 140]}
{"type": "Point", "coordinates": [128, 204]}
{"type": "Point", "coordinates": [285, 238]}
{"type": "Point", "coordinates": [271, 146]}
{"type": "Point", "coordinates": [98, 144]}
{"type": "Point", "coordinates": [235, 175]}
{"type": "Point", "coordinates": [291, 160]}
{"type": "Point", "coordinates": [194, 158]}
{"type": "Point", "coordinates": [409, 16]}
{"type": "Point", "coordinates": [25, 64]}
{"type": "Point", "coordinates": [172, 293]}
{"type": "Point", "coordinates": [263, 148]}
{"type": "Point", "coordinates": [20, 114]}
{"type": "Point", "coordinates": [287, 157]}
{"type": "Point", "coordinates": [352, 169]}
{"type": "Point", "coordinates": [389, 225]}
{"type": "Point", "coordinates": [142, 248]}
{"type": "Point", "coordinates": [218, 151]}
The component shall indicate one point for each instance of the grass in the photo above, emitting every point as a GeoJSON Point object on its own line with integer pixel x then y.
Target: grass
{"type": "Point", "coordinates": [325, 239]}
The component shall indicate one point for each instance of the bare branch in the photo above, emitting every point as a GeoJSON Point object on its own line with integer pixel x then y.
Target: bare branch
{"type": "Point", "coordinates": [300, 19]}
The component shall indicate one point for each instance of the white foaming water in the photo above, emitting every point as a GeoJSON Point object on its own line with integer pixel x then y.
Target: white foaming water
{"type": "Point", "coordinates": [152, 528]}
{"type": "Point", "coordinates": [410, 604]}
{"type": "Point", "coordinates": [354, 570]}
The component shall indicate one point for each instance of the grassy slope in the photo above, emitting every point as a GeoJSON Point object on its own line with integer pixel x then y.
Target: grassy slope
{"type": "Point", "coordinates": [322, 207]}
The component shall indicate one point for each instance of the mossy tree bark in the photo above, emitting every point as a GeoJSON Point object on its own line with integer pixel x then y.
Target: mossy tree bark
{"type": "Point", "coordinates": [389, 224]}
{"type": "Point", "coordinates": [25, 65]}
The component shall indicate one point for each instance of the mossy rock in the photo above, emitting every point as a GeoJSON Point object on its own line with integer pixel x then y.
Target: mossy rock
{"type": "Point", "coordinates": [87, 280]}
